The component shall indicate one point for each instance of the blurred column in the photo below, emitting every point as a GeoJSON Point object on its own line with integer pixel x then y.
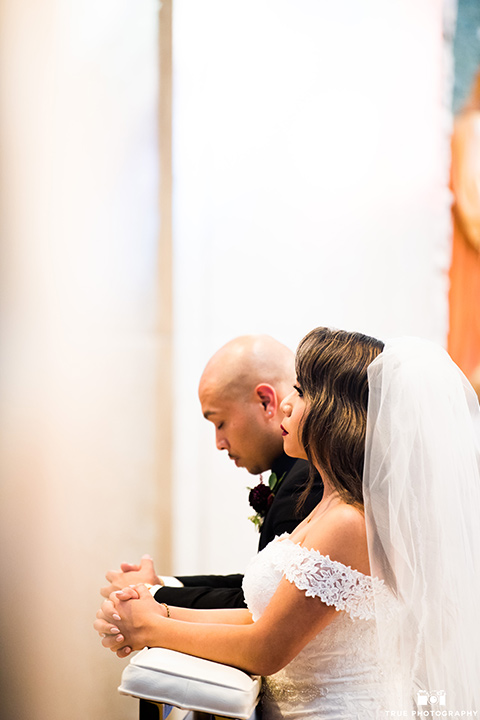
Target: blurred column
{"type": "Point", "coordinates": [86, 335]}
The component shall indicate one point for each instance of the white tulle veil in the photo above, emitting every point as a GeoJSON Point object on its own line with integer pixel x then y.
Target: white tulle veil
{"type": "Point", "coordinates": [422, 505]}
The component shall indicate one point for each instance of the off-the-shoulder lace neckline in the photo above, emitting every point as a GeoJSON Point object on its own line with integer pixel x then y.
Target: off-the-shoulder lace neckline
{"type": "Point", "coordinates": [285, 537]}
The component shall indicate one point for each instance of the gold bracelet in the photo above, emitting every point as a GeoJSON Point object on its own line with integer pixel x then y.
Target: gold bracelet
{"type": "Point", "coordinates": [166, 608]}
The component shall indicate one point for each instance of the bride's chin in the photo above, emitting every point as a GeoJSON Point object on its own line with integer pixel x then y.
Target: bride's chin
{"type": "Point", "coordinates": [293, 449]}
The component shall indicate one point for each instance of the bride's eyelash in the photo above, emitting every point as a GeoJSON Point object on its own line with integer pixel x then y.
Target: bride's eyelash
{"type": "Point", "coordinates": [298, 389]}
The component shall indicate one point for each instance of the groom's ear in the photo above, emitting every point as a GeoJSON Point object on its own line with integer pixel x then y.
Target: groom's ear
{"type": "Point", "coordinates": [268, 399]}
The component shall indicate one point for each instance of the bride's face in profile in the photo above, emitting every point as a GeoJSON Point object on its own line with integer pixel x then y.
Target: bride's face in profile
{"type": "Point", "coordinates": [293, 408]}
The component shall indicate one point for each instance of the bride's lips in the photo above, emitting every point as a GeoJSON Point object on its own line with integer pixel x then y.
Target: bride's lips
{"type": "Point", "coordinates": [284, 432]}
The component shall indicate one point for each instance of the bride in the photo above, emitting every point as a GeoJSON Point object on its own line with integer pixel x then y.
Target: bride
{"type": "Point", "coordinates": [368, 609]}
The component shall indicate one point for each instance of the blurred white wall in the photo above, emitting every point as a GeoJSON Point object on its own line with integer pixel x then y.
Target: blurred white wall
{"type": "Point", "coordinates": [310, 166]}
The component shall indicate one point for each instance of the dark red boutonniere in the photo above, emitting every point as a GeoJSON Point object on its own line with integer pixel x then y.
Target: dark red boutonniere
{"type": "Point", "coordinates": [261, 497]}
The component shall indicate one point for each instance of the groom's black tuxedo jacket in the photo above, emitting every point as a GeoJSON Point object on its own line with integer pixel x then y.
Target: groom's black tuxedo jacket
{"type": "Point", "coordinates": [225, 591]}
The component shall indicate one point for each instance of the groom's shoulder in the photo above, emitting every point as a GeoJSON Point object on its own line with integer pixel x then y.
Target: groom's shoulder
{"type": "Point", "coordinates": [296, 479]}
{"type": "Point", "coordinates": [296, 474]}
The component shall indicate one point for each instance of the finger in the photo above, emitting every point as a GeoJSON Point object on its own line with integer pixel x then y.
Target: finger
{"type": "Point", "coordinates": [112, 642]}
{"type": "Point", "coordinates": [143, 591]}
{"type": "Point", "coordinates": [123, 652]}
{"type": "Point", "coordinates": [146, 564]}
{"type": "Point", "coordinates": [111, 575]}
{"type": "Point", "coordinates": [106, 591]}
{"type": "Point", "coordinates": [103, 627]}
{"type": "Point", "coordinates": [109, 610]}
{"type": "Point", "coordinates": [128, 567]}
{"type": "Point", "coordinates": [100, 615]}
{"type": "Point", "coordinates": [128, 593]}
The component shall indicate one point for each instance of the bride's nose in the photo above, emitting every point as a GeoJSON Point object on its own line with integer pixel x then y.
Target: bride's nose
{"type": "Point", "coordinates": [286, 405]}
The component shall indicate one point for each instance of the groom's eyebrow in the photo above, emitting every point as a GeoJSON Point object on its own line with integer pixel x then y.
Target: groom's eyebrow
{"type": "Point", "coordinates": [207, 413]}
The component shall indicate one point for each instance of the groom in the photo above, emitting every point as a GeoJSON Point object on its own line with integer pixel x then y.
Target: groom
{"type": "Point", "coordinates": [240, 392]}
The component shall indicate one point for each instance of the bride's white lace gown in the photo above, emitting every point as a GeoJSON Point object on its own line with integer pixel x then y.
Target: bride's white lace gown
{"type": "Point", "coordinates": [336, 676]}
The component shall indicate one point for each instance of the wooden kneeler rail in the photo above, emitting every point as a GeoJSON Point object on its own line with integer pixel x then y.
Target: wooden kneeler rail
{"type": "Point", "coordinates": [155, 711]}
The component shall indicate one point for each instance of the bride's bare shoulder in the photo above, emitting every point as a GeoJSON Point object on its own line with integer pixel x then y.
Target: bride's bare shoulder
{"type": "Point", "coordinates": [341, 534]}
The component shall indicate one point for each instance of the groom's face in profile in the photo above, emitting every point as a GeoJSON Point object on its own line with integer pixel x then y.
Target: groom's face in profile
{"type": "Point", "coordinates": [240, 428]}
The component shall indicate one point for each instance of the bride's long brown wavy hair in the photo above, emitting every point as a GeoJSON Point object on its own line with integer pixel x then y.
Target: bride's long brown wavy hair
{"type": "Point", "coordinates": [331, 368]}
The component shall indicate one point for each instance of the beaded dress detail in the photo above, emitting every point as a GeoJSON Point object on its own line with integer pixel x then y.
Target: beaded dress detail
{"type": "Point", "coordinates": [337, 675]}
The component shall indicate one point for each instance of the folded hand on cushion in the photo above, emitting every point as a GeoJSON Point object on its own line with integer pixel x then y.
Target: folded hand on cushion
{"type": "Point", "coordinates": [125, 621]}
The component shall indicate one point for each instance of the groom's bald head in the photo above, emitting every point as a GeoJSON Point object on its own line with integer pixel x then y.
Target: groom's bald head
{"type": "Point", "coordinates": [240, 392]}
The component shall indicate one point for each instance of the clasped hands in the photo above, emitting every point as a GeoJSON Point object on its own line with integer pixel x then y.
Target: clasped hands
{"type": "Point", "coordinates": [129, 574]}
{"type": "Point", "coordinates": [128, 616]}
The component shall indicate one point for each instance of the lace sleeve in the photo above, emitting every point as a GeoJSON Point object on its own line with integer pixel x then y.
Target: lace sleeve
{"type": "Point", "coordinates": [334, 583]}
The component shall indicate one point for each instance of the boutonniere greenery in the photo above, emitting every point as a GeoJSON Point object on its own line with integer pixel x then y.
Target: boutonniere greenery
{"type": "Point", "coordinates": [261, 498]}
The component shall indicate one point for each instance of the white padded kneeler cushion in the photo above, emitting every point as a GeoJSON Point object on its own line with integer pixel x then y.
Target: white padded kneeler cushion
{"type": "Point", "coordinates": [167, 676]}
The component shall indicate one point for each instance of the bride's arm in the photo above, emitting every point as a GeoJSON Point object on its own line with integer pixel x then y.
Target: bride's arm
{"type": "Point", "coordinates": [289, 622]}
{"type": "Point", "coordinates": [225, 616]}
{"type": "Point", "coordinates": [261, 648]}
{"type": "Point", "coordinates": [107, 615]}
